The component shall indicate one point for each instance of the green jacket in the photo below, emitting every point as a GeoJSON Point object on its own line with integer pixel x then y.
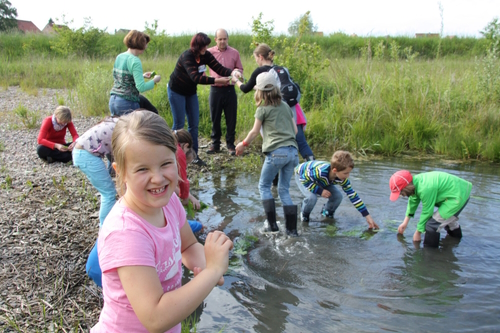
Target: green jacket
{"type": "Point", "coordinates": [437, 189]}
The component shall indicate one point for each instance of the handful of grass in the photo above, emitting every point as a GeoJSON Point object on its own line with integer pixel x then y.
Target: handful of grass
{"type": "Point", "coordinates": [190, 209]}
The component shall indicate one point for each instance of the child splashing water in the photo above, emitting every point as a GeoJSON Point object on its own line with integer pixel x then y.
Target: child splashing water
{"type": "Point", "coordinates": [145, 238]}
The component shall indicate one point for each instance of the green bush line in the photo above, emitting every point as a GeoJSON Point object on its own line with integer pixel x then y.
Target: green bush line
{"type": "Point", "coordinates": [17, 45]}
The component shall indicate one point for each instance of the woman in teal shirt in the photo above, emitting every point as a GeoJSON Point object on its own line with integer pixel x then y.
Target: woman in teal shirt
{"type": "Point", "coordinates": [129, 78]}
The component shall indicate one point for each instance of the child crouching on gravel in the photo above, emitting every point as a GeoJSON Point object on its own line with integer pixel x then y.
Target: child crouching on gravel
{"type": "Point", "coordinates": [319, 178]}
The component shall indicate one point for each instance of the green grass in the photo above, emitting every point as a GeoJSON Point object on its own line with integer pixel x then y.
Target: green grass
{"type": "Point", "coordinates": [392, 103]}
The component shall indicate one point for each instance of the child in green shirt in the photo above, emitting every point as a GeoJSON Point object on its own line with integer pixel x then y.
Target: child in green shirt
{"type": "Point", "coordinates": [434, 189]}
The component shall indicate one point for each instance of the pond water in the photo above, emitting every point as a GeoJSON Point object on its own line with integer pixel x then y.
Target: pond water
{"type": "Point", "coordinates": [338, 276]}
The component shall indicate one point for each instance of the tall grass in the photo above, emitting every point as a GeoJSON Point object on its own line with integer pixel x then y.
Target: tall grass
{"type": "Point", "coordinates": [388, 101]}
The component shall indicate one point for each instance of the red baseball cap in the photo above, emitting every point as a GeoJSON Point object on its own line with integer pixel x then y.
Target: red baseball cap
{"type": "Point", "coordinates": [398, 181]}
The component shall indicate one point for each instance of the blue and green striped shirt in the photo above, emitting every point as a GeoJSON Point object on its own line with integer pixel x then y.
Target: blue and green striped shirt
{"type": "Point", "coordinates": [314, 176]}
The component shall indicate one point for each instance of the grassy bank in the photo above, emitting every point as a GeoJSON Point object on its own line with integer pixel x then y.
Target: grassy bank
{"type": "Point", "coordinates": [447, 106]}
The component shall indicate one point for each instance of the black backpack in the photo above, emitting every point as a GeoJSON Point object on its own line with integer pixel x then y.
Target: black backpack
{"type": "Point", "coordinates": [289, 89]}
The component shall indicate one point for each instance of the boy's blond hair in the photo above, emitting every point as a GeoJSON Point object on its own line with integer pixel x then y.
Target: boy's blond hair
{"type": "Point", "coordinates": [139, 125]}
{"type": "Point", "coordinates": [341, 160]}
{"type": "Point", "coordinates": [63, 114]}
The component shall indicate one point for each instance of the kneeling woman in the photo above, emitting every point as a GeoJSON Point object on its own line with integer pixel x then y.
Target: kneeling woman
{"type": "Point", "coordinates": [52, 145]}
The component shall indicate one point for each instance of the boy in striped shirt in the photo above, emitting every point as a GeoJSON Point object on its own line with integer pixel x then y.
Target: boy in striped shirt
{"type": "Point", "coordinates": [318, 178]}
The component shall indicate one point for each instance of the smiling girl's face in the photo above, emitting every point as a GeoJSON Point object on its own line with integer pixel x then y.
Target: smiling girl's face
{"type": "Point", "coordinates": [150, 176]}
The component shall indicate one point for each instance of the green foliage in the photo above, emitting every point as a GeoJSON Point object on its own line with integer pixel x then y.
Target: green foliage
{"type": "Point", "coordinates": [93, 90]}
{"type": "Point", "coordinates": [8, 16]}
{"type": "Point", "coordinates": [7, 184]}
{"type": "Point", "coordinates": [190, 211]}
{"type": "Point", "coordinates": [243, 244]}
{"type": "Point", "coordinates": [28, 118]}
{"type": "Point", "coordinates": [261, 32]}
{"type": "Point", "coordinates": [492, 31]}
{"type": "Point", "coordinates": [302, 25]}
{"type": "Point", "coordinates": [86, 41]}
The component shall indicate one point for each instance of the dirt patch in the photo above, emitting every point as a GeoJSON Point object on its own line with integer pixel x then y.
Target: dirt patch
{"type": "Point", "coordinates": [48, 225]}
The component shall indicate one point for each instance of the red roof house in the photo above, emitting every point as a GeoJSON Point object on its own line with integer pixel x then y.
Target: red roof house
{"type": "Point", "coordinates": [27, 26]}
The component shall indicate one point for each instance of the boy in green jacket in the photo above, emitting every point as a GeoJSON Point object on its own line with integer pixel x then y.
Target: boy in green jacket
{"type": "Point", "coordinates": [434, 189]}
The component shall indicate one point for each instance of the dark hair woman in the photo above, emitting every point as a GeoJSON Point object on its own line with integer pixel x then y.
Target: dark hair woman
{"type": "Point", "coordinates": [182, 87]}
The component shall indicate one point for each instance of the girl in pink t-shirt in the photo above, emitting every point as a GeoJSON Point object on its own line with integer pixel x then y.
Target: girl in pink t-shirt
{"type": "Point", "coordinates": [145, 238]}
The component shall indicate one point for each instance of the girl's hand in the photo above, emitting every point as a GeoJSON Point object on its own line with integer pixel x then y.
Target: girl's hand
{"type": "Point", "coordinates": [401, 228]}
{"type": "Point", "coordinates": [60, 147]}
{"type": "Point", "coordinates": [196, 202]}
{"type": "Point", "coordinates": [71, 146]}
{"type": "Point", "coordinates": [147, 75]}
{"type": "Point", "coordinates": [239, 149]}
{"type": "Point", "coordinates": [417, 236]}
{"type": "Point", "coordinates": [326, 194]}
{"type": "Point", "coordinates": [157, 78]}
{"type": "Point", "coordinates": [217, 246]}
{"type": "Point", "coordinates": [371, 222]}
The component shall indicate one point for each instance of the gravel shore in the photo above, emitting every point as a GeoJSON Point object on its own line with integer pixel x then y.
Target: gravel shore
{"type": "Point", "coordinates": [48, 225]}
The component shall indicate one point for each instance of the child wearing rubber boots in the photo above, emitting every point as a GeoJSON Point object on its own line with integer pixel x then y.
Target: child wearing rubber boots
{"type": "Point", "coordinates": [319, 178]}
{"type": "Point", "coordinates": [449, 193]}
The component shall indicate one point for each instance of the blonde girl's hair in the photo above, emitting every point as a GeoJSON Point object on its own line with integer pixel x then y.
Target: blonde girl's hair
{"type": "Point", "coordinates": [265, 51]}
{"type": "Point", "coordinates": [341, 160]}
{"type": "Point", "coordinates": [265, 98]}
{"type": "Point", "coordinates": [63, 114]}
{"type": "Point", "coordinates": [136, 40]}
{"type": "Point", "coordinates": [141, 126]}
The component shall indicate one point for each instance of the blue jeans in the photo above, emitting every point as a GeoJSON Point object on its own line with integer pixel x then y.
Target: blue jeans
{"type": "Point", "coordinates": [304, 149]}
{"type": "Point", "coordinates": [97, 173]}
{"type": "Point", "coordinates": [119, 106]}
{"type": "Point", "coordinates": [311, 198]}
{"type": "Point", "coordinates": [183, 106]}
{"type": "Point", "coordinates": [282, 160]}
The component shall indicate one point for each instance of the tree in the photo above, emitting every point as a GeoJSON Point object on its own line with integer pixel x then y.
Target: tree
{"type": "Point", "coordinates": [303, 22]}
{"type": "Point", "coordinates": [8, 16]}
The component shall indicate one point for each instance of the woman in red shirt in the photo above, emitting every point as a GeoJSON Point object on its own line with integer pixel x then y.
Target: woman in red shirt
{"type": "Point", "coordinates": [52, 145]}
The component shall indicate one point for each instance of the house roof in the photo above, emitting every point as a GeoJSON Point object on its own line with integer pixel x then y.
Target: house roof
{"type": "Point", "coordinates": [27, 26]}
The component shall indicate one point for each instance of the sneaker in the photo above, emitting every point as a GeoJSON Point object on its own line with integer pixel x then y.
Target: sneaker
{"type": "Point", "coordinates": [232, 151]}
{"type": "Point", "coordinates": [213, 149]}
{"type": "Point", "coordinates": [304, 217]}
{"type": "Point", "coordinates": [198, 161]}
{"type": "Point", "coordinates": [326, 213]}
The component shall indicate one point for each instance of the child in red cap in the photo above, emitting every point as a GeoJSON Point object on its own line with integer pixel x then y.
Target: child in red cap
{"type": "Point", "coordinates": [434, 189]}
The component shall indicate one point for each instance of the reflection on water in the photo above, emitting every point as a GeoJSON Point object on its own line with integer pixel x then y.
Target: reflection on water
{"type": "Point", "coordinates": [339, 276]}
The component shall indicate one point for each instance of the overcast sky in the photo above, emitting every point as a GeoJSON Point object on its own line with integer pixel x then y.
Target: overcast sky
{"type": "Point", "coordinates": [361, 17]}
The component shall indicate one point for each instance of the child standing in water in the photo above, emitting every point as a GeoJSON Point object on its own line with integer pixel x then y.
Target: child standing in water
{"type": "Point", "coordinates": [445, 191]}
{"type": "Point", "coordinates": [318, 178]}
{"type": "Point", "coordinates": [280, 147]}
{"type": "Point", "coordinates": [145, 238]}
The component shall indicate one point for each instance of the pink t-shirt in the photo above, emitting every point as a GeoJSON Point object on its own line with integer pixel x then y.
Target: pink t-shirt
{"type": "Point", "coordinates": [126, 239]}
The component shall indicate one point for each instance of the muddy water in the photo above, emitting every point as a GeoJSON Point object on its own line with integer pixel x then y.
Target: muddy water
{"type": "Point", "coordinates": [338, 276]}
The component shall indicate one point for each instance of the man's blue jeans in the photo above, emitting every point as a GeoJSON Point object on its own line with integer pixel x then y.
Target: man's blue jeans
{"type": "Point", "coordinates": [282, 160]}
{"type": "Point", "coordinates": [183, 106]}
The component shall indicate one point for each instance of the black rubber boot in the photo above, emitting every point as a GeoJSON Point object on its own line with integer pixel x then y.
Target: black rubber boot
{"type": "Point", "coordinates": [291, 220]}
{"type": "Point", "coordinates": [457, 233]}
{"type": "Point", "coordinates": [431, 238]}
{"type": "Point", "coordinates": [270, 209]}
